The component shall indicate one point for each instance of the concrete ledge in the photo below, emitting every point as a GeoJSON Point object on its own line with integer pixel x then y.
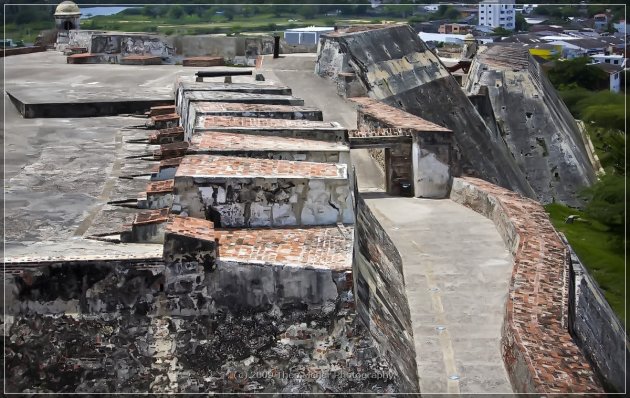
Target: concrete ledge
{"type": "Point", "coordinates": [21, 50]}
{"type": "Point", "coordinates": [539, 354]}
{"type": "Point", "coordinates": [141, 60]}
{"type": "Point", "coordinates": [203, 61]}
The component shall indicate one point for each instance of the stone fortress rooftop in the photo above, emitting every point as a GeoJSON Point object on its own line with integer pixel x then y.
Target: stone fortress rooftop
{"type": "Point", "coordinates": [211, 166]}
{"type": "Point", "coordinates": [212, 141]}
{"type": "Point", "coordinates": [233, 232]}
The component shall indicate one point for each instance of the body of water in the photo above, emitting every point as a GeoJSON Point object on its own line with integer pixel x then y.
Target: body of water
{"type": "Point", "coordinates": [88, 12]}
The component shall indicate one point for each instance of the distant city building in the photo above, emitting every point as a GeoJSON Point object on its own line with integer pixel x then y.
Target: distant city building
{"type": "Point", "coordinates": [613, 59]}
{"type": "Point", "coordinates": [600, 22]}
{"type": "Point", "coordinates": [614, 75]}
{"type": "Point", "coordinates": [497, 13]}
{"type": "Point", "coordinates": [305, 36]}
{"type": "Point", "coordinates": [622, 27]}
{"type": "Point", "coordinates": [456, 28]}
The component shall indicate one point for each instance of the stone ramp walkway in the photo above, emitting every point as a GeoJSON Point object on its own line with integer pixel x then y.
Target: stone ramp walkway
{"type": "Point", "coordinates": [456, 271]}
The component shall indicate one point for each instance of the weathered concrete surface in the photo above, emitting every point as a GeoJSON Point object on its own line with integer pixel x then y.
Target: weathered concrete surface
{"type": "Point", "coordinates": [395, 66]}
{"type": "Point", "coordinates": [57, 170]}
{"type": "Point", "coordinates": [45, 79]}
{"type": "Point", "coordinates": [541, 133]}
{"type": "Point", "coordinates": [47, 159]}
{"type": "Point", "coordinates": [456, 271]}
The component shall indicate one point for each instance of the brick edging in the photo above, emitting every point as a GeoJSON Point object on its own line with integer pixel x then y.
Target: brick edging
{"type": "Point", "coordinates": [539, 354]}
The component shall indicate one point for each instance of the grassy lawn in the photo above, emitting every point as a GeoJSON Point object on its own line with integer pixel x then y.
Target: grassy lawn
{"type": "Point", "coordinates": [187, 25]}
{"type": "Point", "coordinates": [601, 252]}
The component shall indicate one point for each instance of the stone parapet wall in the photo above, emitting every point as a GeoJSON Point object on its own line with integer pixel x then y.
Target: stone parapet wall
{"type": "Point", "coordinates": [596, 329]}
{"type": "Point", "coordinates": [539, 354]}
{"type": "Point", "coordinates": [21, 50]}
{"type": "Point", "coordinates": [380, 299]}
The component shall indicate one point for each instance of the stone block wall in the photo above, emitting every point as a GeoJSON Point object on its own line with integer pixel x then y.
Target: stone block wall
{"type": "Point", "coordinates": [190, 280]}
{"type": "Point", "coordinates": [129, 44]}
{"type": "Point", "coordinates": [379, 292]}
{"type": "Point", "coordinates": [255, 202]}
{"type": "Point", "coordinates": [596, 329]}
{"type": "Point", "coordinates": [539, 353]}
{"type": "Point", "coordinates": [82, 38]}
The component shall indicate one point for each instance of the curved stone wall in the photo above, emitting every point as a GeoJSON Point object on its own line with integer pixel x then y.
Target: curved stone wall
{"type": "Point", "coordinates": [539, 354]}
{"type": "Point", "coordinates": [537, 127]}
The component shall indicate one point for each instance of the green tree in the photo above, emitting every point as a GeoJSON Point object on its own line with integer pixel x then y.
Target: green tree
{"type": "Point", "coordinates": [606, 202]}
{"type": "Point", "coordinates": [520, 23]}
{"type": "Point", "coordinates": [176, 12]}
{"type": "Point", "coordinates": [308, 11]}
{"type": "Point", "coordinates": [579, 72]}
{"type": "Point", "coordinates": [229, 13]}
{"type": "Point", "coordinates": [501, 31]}
{"type": "Point", "coordinates": [441, 10]}
{"type": "Point", "coordinates": [451, 13]}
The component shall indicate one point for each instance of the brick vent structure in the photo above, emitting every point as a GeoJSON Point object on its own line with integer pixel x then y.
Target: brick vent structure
{"type": "Point", "coordinates": [172, 150]}
{"type": "Point", "coordinates": [237, 167]}
{"type": "Point", "coordinates": [82, 58]}
{"type": "Point", "coordinates": [219, 141]}
{"type": "Point", "coordinates": [169, 117]}
{"type": "Point", "coordinates": [141, 60]}
{"type": "Point", "coordinates": [152, 217]}
{"type": "Point", "coordinates": [167, 135]}
{"type": "Point", "coordinates": [232, 121]}
{"type": "Point", "coordinates": [164, 186]}
{"type": "Point", "coordinates": [196, 228]}
{"type": "Point", "coordinates": [166, 163]}
{"type": "Point", "coordinates": [237, 106]}
{"type": "Point", "coordinates": [327, 248]}
{"type": "Point", "coordinates": [161, 110]}
{"type": "Point", "coordinates": [539, 354]}
{"type": "Point", "coordinates": [397, 120]}
{"type": "Point", "coordinates": [203, 61]}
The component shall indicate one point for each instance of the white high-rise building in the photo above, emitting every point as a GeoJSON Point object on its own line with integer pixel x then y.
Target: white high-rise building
{"type": "Point", "coordinates": [497, 13]}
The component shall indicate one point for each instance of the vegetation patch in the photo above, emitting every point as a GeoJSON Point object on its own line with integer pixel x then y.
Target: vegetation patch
{"type": "Point", "coordinates": [600, 250]}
